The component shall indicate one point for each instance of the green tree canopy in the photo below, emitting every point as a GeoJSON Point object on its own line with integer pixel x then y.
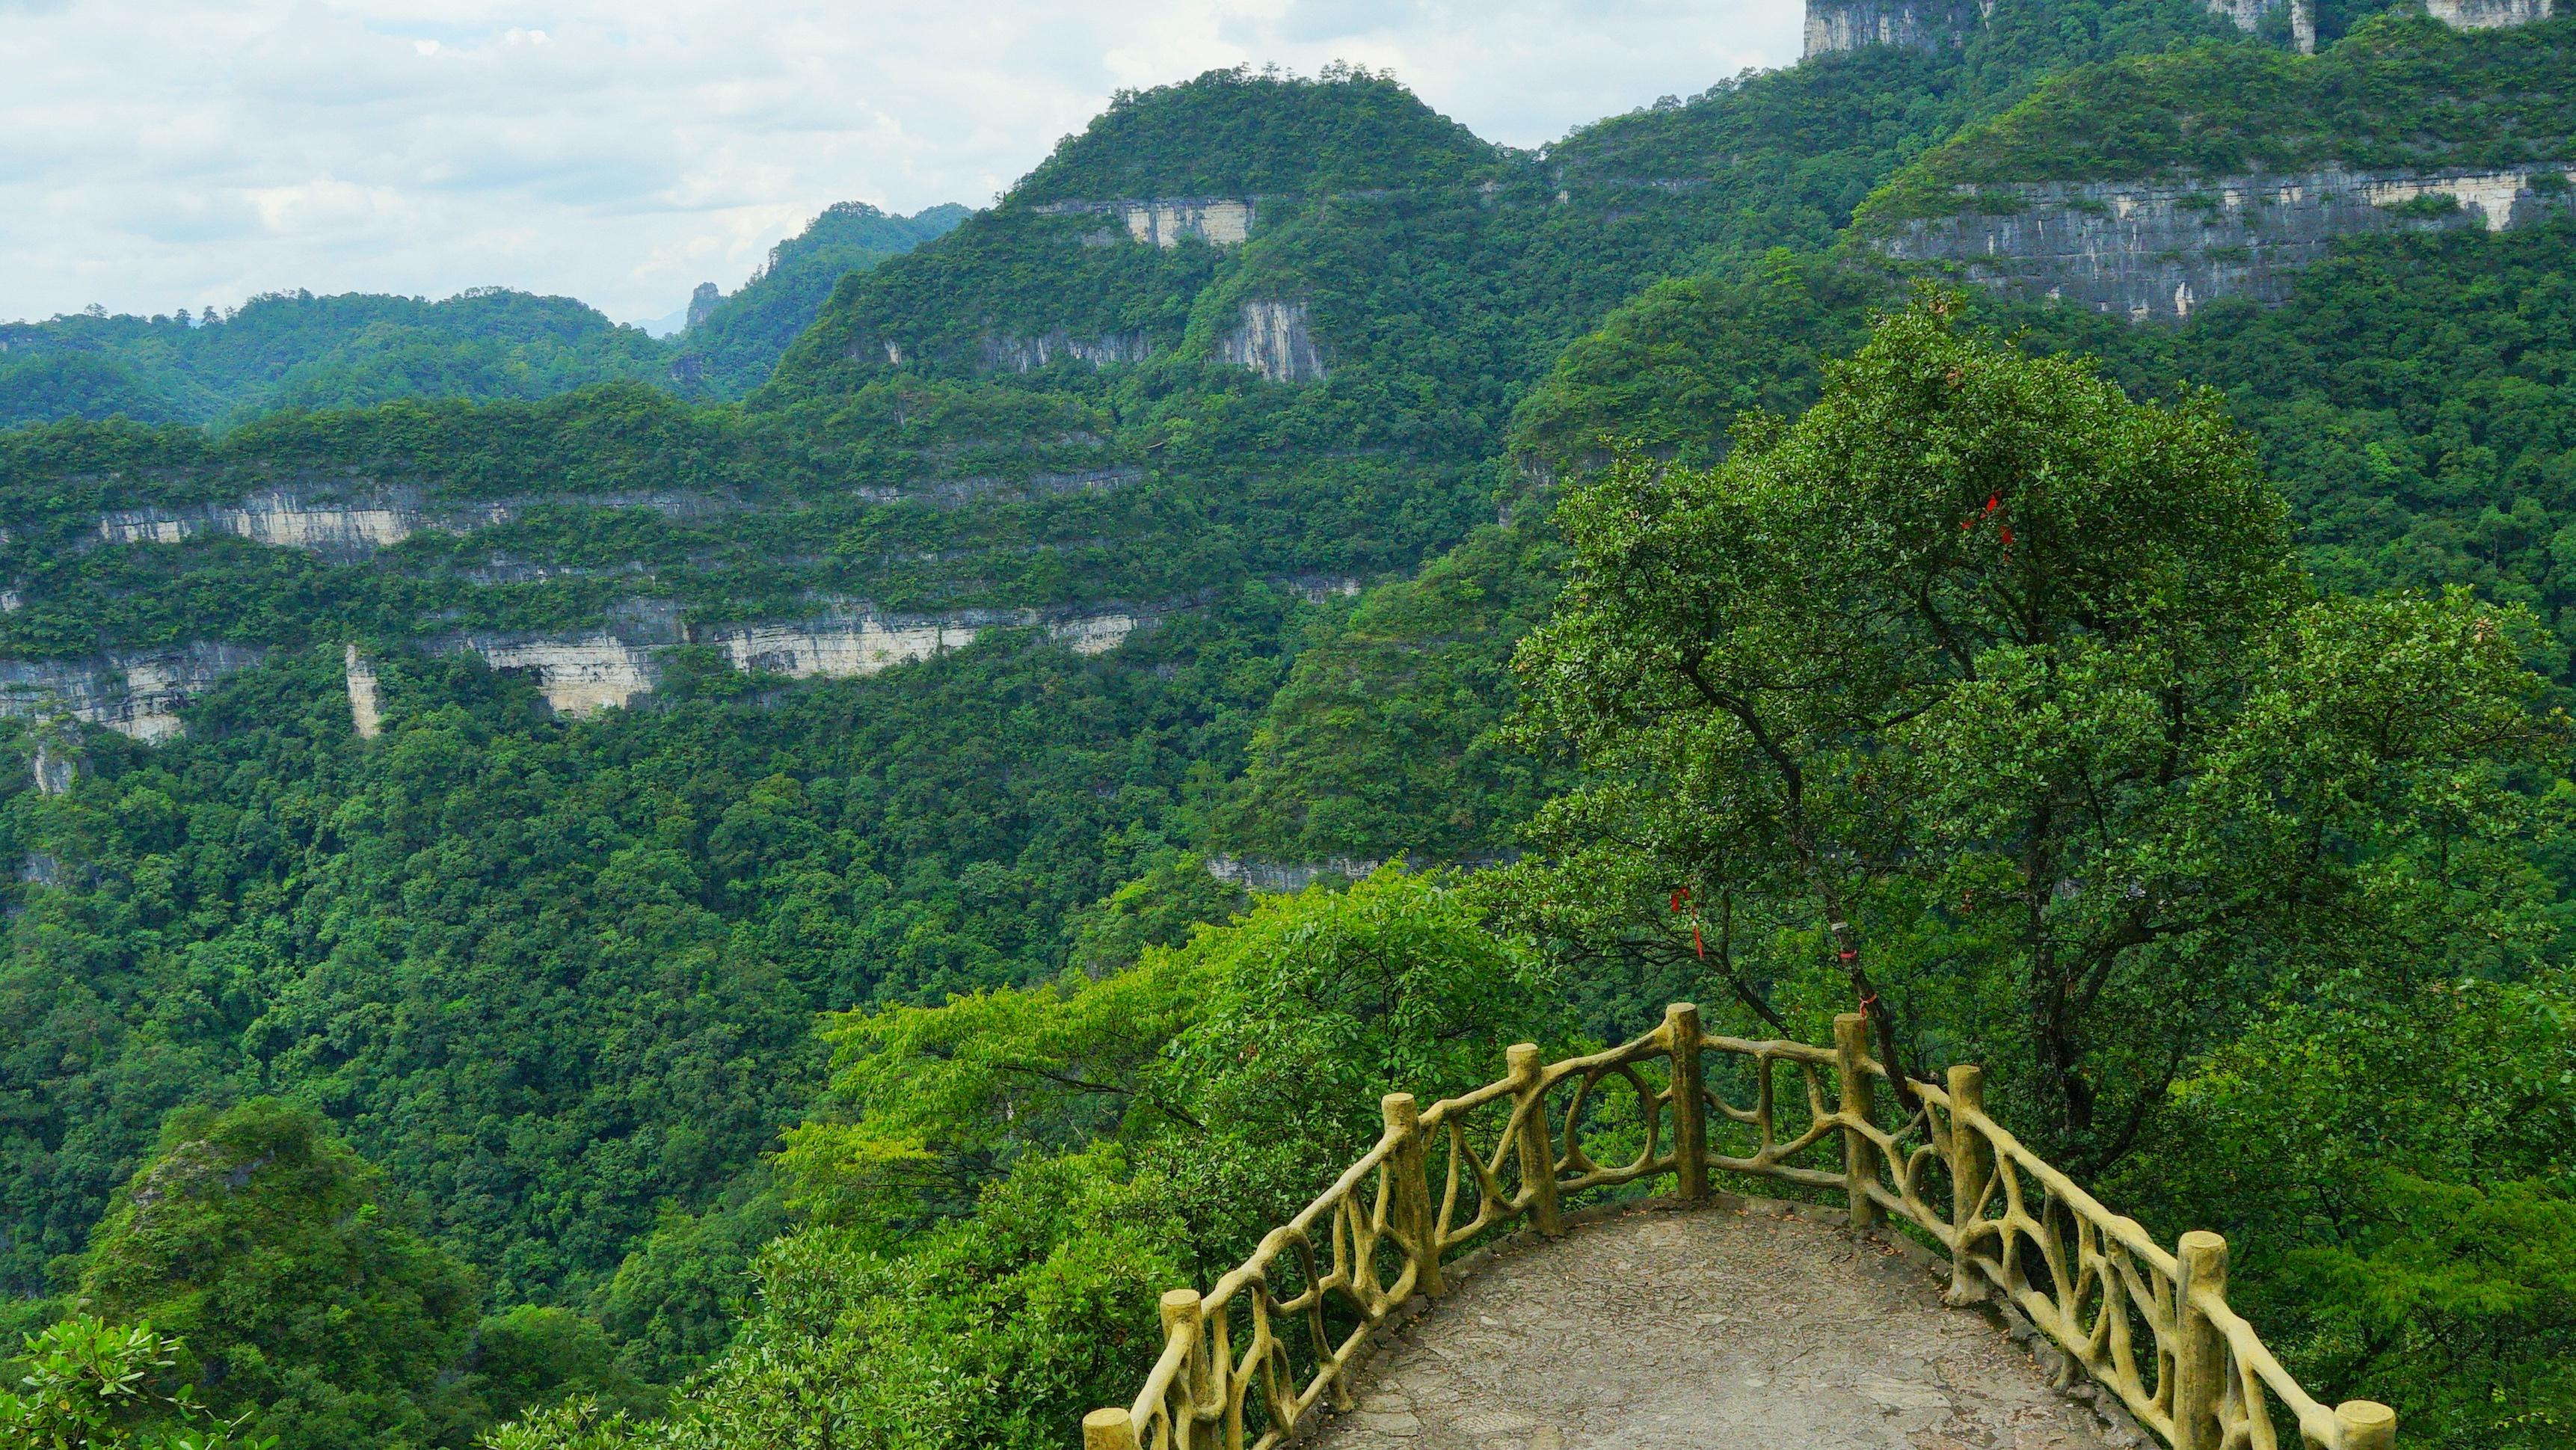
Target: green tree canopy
{"type": "Point", "coordinates": [1994, 702]}
{"type": "Point", "coordinates": [266, 1245]}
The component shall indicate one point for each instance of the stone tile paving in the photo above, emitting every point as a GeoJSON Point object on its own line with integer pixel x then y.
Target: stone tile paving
{"type": "Point", "coordinates": [1724, 1329]}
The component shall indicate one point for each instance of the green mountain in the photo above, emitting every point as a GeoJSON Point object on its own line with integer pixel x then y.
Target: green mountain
{"type": "Point", "coordinates": [296, 350]}
{"type": "Point", "coordinates": [284, 351]}
{"type": "Point", "coordinates": [512, 782]}
{"type": "Point", "coordinates": [734, 340]}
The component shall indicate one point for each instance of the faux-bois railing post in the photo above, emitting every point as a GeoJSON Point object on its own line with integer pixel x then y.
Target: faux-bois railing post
{"type": "Point", "coordinates": [2151, 1326]}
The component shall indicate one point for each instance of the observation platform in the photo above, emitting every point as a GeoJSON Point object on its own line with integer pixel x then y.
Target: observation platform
{"type": "Point", "coordinates": [1742, 1326]}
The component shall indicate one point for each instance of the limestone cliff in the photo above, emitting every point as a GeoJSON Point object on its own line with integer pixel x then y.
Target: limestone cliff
{"type": "Point", "coordinates": [141, 693]}
{"type": "Point", "coordinates": [1840, 25]}
{"type": "Point", "coordinates": [1275, 342]}
{"type": "Point", "coordinates": [846, 642]}
{"type": "Point", "coordinates": [135, 693]}
{"type": "Point", "coordinates": [578, 674]}
{"type": "Point", "coordinates": [2489, 14]}
{"type": "Point", "coordinates": [2160, 249]}
{"type": "Point", "coordinates": [1843, 25]}
{"type": "Point", "coordinates": [1217, 221]}
{"type": "Point", "coordinates": [366, 713]}
{"type": "Point", "coordinates": [342, 527]}
{"type": "Point", "coordinates": [1027, 354]}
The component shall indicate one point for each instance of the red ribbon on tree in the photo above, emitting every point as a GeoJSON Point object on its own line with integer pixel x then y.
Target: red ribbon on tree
{"type": "Point", "coordinates": [1681, 898]}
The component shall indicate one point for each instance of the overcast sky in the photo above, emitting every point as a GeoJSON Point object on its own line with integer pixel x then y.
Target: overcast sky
{"type": "Point", "coordinates": [176, 153]}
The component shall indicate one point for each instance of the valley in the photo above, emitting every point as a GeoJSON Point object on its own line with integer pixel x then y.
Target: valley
{"type": "Point", "coordinates": [804, 874]}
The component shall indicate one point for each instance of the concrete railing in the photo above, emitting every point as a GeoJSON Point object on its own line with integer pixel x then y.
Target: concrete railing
{"type": "Point", "coordinates": [1247, 1361]}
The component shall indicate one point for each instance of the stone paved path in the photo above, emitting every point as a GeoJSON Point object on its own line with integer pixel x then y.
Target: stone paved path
{"type": "Point", "coordinates": [1723, 1329]}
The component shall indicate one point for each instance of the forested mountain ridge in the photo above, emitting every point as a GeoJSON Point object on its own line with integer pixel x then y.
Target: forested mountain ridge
{"type": "Point", "coordinates": [730, 346]}
{"type": "Point", "coordinates": [1101, 470]}
{"type": "Point", "coordinates": [297, 351]}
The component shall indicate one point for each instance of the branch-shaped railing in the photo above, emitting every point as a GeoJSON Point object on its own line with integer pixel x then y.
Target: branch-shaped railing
{"type": "Point", "coordinates": [1248, 1360]}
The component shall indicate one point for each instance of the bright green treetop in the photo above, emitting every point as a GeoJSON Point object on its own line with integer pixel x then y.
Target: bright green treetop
{"type": "Point", "coordinates": [1996, 704]}
{"type": "Point", "coordinates": [264, 1243]}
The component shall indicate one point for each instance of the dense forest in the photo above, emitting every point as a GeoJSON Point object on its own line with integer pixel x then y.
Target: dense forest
{"type": "Point", "coordinates": [784, 1059]}
{"type": "Point", "coordinates": [295, 351]}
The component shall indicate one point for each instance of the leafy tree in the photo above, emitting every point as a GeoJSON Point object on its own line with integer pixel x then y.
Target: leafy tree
{"type": "Point", "coordinates": [266, 1246]}
{"type": "Point", "coordinates": [2397, 1175]}
{"type": "Point", "coordinates": [1999, 697]}
{"type": "Point", "coordinates": [1229, 1074]}
{"type": "Point", "coordinates": [531, 1356]}
{"type": "Point", "coordinates": [85, 1384]}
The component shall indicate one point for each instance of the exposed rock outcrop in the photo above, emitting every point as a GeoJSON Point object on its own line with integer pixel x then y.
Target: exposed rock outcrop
{"type": "Point", "coordinates": [2250, 16]}
{"type": "Point", "coordinates": [2160, 249]}
{"type": "Point", "coordinates": [140, 694]}
{"type": "Point", "coordinates": [1840, 25]}
{"type": "Point", "coordinates": [1286, 877]}
{"type": "Point", "coordinates": [54, 767]}
{"type": "Point", "coordinates": [2489, 14]}
{"type": "Point", "coordinates": [347, 527]}
{"type": "Point", "coordinates": [578, 675]}
{"type": "Point", "coordinates": [1275, 342]}
{"type": "Point", "coordinates": [366, 713]}
{"type": "Point", "coordinates": [1163, 222]}
{"type": "Point", "coordinates": [1028, 354]}
{"type": "Point", "coordinates": [136, 693]}
{"type": "Point", "coordinates": [844, 643]}
{"type": "Point", "coordinates": [341, 528]}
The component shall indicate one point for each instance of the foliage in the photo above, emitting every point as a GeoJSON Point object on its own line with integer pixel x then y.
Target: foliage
{"type": "Point", "coordinates": [1257, 1035]}
{"type": "Point", "coordinates": [530, 1356]}
{"type": "Point", "coordinates": [2396, 1173]}
{"type": "Point", "coordinates": [1239, 133]}
{"type": "Point", "coordinates": [2412, 398]}
{"type": "Point", "coordinates": [2401, 91]}
{"type": "Point", "coordinates": [554, 974]}
{"type": "Point", "coordinates": [731, 350]}
{"type": "Point", "coordinates": [1380, 741]}
{"type": "Point", "coordinates": [2007, 683]}
{"type": "Point", "coordinates": [296, 350]}
{"type": "Point", "coordinates": [85, 1384]}
{"type": "Point", "coordinates": [1227, 1069]}
{"type": "Point", "coordinates": [267, 1246]}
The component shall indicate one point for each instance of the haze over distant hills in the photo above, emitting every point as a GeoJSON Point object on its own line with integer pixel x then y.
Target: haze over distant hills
{"type": "Point", "coordinates": [296, 350]}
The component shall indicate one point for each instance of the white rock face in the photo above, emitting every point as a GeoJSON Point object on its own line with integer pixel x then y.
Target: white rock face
{"type": "Point", "coordinates": [1274, 341]}
{"type": "Point", "coordinates": [2159, 249]}
{"type": "Point", "coordinates": [1094, 634]}
{"type": "Point", "coordinates": [846, 644]}
{"type": "Point", "coordinates": [1286, 878]}
{"type": "Point", "coordinates": [366, 715]}
{"type": "Point", "coordinates": [837, 646]}
{"type": "Point", "coordinates": [138, 694]}
{"type": "Point", "coordinates": [2249, 14]}
{"type": "Point", "coordinates": [1164, 223]}
{"type": "Point", "coordinates": [54, 768]}
{"type": "Point", "coordinates": [275, 517]}
{"type": "Point", "coordinates": [2491, 195]}
{"type": "Point", "coordinates": [2488, 14]}
{"type": "Point", "coordinates": [577, 676]}
{"type": "Point", "coordinates": [1028, 354]}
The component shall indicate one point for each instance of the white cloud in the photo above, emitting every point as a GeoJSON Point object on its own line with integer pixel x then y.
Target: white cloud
{"type": "Point", "coordinates": [169, 153]}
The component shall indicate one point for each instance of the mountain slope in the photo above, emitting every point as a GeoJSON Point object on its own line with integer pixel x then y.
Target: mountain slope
{"type": "Point", "coordinates": [296, 350]}
{"type": "Point", "coordinates": [731, 349]}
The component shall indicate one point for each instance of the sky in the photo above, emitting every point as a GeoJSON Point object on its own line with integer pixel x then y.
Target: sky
{"type": "Point", "coordinates": [179, 153]}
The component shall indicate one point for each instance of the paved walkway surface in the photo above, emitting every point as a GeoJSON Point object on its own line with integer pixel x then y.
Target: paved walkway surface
{"type": "Point", "coordinates": [1722, 1329]}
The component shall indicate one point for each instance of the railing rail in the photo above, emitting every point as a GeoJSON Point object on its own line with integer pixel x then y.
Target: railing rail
{"type": "Point", "coordinates": [1246, 1362]}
